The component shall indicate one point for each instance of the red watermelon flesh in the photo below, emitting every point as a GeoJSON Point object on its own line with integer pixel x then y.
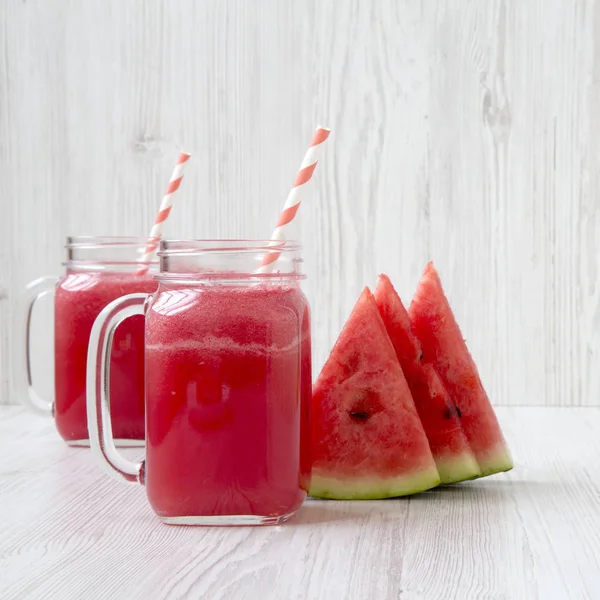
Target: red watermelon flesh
{"type": "Point", "coordinates": [440, 418]}
{"type": "Point", "coordinates": [443, 346]}
{"type": "Point", "coordinates": [368, 441]}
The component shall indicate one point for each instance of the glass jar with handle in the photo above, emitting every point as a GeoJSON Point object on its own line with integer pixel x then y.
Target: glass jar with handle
{"type": "Point", "coordinates": [97, 270]}
{"type": "Point", "coordinates": [228, 384]}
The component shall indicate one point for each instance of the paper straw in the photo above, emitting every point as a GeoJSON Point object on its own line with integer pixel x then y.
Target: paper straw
{"type": "Point", "coordinates": [292, 204]}
{"type": "Point", "coordinates": [164, 210]}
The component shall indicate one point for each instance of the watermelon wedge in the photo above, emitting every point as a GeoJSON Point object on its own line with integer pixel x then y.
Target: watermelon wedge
{"type": "Point", "coordinates": [368, 441]}
{"type": "Point", "coordinates": [444, 347]}
{"type": "Point", "coordinates": [440, 418]}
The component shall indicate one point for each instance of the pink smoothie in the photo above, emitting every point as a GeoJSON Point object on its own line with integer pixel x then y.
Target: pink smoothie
{"type": "Point", "coordinates": [80, 296]}
{"type": "Point", "coordinates": [228, 394]}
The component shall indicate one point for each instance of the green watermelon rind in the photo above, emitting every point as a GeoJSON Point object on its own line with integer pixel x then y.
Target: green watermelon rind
{"type": "Point", "coordinates": [497, 461]}
{"type": "Point", "coordinates": [372, 488]}
{"type": "Point", "coordinates": [454, 469]}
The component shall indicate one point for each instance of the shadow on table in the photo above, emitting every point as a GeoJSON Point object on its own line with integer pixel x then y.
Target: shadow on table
{"type": "Point", "coordinates": [313, 512]}
{"type": "Point", "coordinates": [483, 487]}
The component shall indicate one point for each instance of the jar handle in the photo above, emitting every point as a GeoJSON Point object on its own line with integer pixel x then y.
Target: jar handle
{"type": "Point", "coordinates": [98, 387]}
{"type": "Point", "coordinates": [23, 377]}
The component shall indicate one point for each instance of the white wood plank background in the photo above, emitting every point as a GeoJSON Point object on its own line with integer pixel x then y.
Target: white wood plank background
{"type": "Point", "coordinates": [466, 132]}
{"type": "Point", "coordinates": [68, 531]}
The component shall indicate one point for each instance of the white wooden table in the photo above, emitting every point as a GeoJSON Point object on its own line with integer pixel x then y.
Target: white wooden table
{"type": "Point", "coordinates": [69, 531]}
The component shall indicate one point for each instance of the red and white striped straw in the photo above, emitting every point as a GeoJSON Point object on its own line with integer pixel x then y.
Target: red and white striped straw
{"type": "Point", "coordinates": [164, 210]}
{"type": "Point", "coordinates": [292, 204]}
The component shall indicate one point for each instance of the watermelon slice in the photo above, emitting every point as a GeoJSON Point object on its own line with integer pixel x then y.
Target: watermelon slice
{"type": "Point", "coordinates": [444, 347]}
{"type": "Point", "coordinates": [440, 418]}
{"type": "Point", "coordinates": [368, 441]}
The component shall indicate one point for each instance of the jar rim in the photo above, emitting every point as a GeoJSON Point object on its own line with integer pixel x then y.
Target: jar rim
{"type": "Point", "coordinates": [228, 260]}
{"type": "Point", "coordinates": [170, 247]}
{"type": "Point", "coordinates": [194, 279]}
{"type": "Point", "coordinates": [98, 241]}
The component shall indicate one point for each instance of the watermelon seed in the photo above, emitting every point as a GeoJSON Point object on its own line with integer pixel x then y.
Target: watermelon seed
{"type": "Point", "coordinates": [363, 416]}
{"type": "Point", "coordinates": [449, 413]}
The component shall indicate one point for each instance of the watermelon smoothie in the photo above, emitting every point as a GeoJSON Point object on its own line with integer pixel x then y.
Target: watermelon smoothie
{"type": "Point", "coordinates": [228, 391]}
{"type": "Point", "coordinates": [80, 296]}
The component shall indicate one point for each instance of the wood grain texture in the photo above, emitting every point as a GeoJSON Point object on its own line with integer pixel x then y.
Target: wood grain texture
{"type": "Point", "coordinates": [68, 531]}
{"type": "Point", "coordinates": [465, 132]}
